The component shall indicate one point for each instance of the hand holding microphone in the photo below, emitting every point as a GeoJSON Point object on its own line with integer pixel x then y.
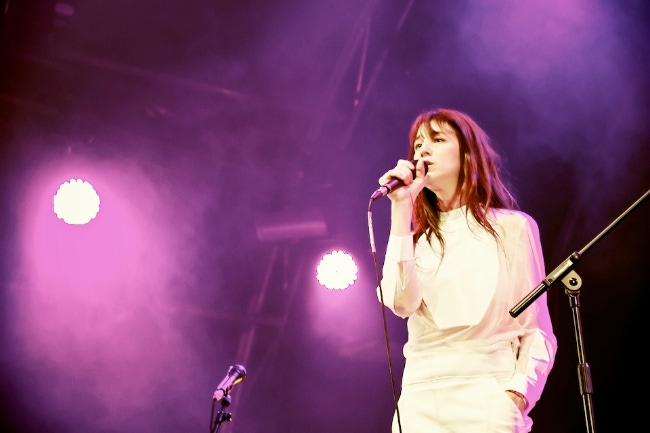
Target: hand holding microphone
{"type": "Point", "coordinates": [396, 182]}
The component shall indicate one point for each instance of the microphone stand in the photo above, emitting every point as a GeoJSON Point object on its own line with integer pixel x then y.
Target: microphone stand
{"type": "Point", "coordinates": [221, 416]}
{"type": "Point", "coordinates": [572, 282]}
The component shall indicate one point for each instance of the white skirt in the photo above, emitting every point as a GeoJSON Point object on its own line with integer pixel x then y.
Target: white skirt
{"type": "Point", "coordinates": [459, 390]}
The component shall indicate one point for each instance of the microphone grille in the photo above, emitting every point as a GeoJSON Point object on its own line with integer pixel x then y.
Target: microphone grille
{"type": "Point", "coordinates": [239, 369]}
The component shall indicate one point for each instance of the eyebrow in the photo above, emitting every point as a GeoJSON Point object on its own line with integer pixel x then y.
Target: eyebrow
{"type": "Point", "coordinates": [429, 132]}
{"type": "Point", "coordinates": [432, 135]}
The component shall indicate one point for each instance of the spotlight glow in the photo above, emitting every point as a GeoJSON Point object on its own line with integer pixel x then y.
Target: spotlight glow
{"type": "Point", "coordinates": [336, 270]}
{"type": "Point", "coordinates": [76, 202]}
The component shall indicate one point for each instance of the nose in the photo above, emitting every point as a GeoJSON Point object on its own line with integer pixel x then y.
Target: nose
{"type": "Point", "coordinates": [425, 148]}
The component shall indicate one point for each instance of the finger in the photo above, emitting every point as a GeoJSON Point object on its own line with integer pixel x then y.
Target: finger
{"type": "Point", "coordinates": [403, 171]}
{"type": "Point", "coordinates": [389, 175]}
{"type": "Point", "coordinates": [420, 169]}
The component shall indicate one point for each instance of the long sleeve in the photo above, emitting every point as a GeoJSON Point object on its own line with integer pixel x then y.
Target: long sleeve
{"type": "Point", "coordinates": [538, 344]}
{"type": "Point", "coordinates": [399, 285]}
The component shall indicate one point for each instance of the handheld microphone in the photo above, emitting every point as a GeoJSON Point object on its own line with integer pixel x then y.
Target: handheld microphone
{"type": "Point", "coordinates": [236, 373]}
{"type": "Point", "coordinates": [393, 184]}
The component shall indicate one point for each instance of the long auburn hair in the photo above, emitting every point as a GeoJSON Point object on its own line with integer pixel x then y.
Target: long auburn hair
{"type": "Point", "coordinates": [479, 186]}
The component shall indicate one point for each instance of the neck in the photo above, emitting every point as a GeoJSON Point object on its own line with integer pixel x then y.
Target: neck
{"type": "Point", "coordinates": [449, 204]}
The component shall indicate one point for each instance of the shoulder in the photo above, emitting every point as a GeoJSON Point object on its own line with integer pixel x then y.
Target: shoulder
{"type": "Point", "coordinates": [510, 219]}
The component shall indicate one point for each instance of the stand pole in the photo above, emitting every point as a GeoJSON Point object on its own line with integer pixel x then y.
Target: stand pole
{"type": "Point", "coordinates": [222, 415]}
{"type": "Point", "coordinates": [572, 283]}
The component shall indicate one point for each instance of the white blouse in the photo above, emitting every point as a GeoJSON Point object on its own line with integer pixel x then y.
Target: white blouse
{"type": "Point", "coordinates": [464, 297]}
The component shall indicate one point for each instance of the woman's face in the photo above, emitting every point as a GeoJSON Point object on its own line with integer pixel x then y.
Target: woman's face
{"type": "Point", "coordinates": [441, 153]}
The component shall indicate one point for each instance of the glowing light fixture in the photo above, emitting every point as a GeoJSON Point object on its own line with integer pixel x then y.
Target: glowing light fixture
{"type": "Point", "coordinates": [76, 202]}
{"type": "Point", "coordinates": [336, 270]}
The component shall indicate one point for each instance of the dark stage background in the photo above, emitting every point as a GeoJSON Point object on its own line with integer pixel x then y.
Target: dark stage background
{"type": "Point", "coordinates": [206, 124]}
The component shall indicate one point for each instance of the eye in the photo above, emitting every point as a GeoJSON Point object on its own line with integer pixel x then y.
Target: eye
{"type": "Point", "coordinates": [416, 146]}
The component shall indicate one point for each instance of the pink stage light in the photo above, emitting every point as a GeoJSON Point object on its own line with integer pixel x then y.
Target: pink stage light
{"type": "Point", "coordinates": [76, 202]}
{"type": "Point", "coordinates": [337, 270]}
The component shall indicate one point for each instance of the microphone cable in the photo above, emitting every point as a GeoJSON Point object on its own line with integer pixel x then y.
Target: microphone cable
{"type": "Point", "coordinates": [373, 250]}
